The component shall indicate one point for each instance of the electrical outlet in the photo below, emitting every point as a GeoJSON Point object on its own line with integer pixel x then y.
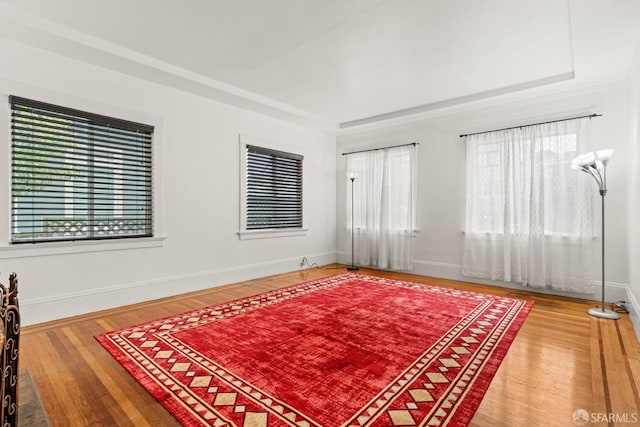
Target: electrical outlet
{"type": "Point", "coordinates": [304, 262]}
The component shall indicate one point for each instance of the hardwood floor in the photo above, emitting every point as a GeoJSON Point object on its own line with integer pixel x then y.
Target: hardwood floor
{"type": "Point", "coordinates": [562, 360]}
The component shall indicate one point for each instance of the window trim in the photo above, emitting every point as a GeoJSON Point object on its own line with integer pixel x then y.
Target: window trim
{"type": "Point", "coordinates": [548, 234]}
{"type": "Point", "coordinates": [244, 233]}
{"type": "Point", "coordinates": [79, 247]}
{"type": "Point", "coordinates": [414, 229]}
{"type": "Point", "coordinates": [99, 120]}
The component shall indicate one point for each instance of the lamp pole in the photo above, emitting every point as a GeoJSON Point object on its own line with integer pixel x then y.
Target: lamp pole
{"type": "Point", "coordinates": [595, 164]}
{"type": "Point", "coordinates": [602, 194]}
{"type": "Point", "coordinates": [603, 312]}
{"type": "Point", "coordinates": [352, 176]}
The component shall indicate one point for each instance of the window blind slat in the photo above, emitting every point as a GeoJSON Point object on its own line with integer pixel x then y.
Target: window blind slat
{"type": "Point", "coordinates": [101, 139]}
{"type": "Point", "coordinates": [59, 150]}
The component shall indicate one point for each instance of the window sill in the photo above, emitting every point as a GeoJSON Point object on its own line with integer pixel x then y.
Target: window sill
{"type": "Point", "coordinates": [413, 233]}
{"type": "Point", "coordinates": [24, 250]}
{"type": "Point", "coordinates": [272, 232]}
{"type": "Point", "coordinates": [546, 234]}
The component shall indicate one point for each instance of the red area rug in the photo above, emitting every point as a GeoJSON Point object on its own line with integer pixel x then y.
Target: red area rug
{"type": "Point", "coordinates": [347, 350]}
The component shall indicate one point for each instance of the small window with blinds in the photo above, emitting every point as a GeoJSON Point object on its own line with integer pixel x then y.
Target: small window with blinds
{"type": "Point", "coordinates": [78, 175]}
{"type": "Point", "coordinates": [273, 189]}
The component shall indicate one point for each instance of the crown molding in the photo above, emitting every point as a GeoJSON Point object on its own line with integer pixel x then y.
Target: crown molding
{"type": "Point", "coordinates": [32, 30]}
{"type": "Point", "coordinates": [511, 100]}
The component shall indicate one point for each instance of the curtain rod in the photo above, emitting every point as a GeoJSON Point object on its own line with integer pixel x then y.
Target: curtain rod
{"type": "Point", "coordinates": [382, 148]}
{"type": "Point", "coordinates": [533, 124]}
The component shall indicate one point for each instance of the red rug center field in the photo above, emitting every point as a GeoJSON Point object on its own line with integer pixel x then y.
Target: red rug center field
{"type": "Point", "coordinates": [348, 350]}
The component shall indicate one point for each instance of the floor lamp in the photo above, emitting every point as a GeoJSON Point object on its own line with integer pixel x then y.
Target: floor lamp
{"type": "Point", "coordinates": [595, 164]}
{"type": "Point", "coordinates": [352, 175]}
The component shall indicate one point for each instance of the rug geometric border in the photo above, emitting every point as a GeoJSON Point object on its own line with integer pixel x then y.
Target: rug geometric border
{"type": "Point", "coordinates": [443, 386]}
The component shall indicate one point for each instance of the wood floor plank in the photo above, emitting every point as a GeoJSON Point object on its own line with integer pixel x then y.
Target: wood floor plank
{"type": "Point", "coordinates": [562, 359]}
{"type": "Point", "coordinates": [115, 400]}
{"type": "Point", "coordinates": [620, 385]}
{"type": "Point", "coordinates": [598, 376]}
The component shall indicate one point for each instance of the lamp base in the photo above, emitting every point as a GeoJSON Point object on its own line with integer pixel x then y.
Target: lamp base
{"type": "Point", "coordinates": [605, 314]}
{"type": "Point", "coordinates": [353, 268]}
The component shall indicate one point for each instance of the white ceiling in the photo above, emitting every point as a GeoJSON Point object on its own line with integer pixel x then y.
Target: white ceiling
{"type": "Point", "coordinates": [341, 63]}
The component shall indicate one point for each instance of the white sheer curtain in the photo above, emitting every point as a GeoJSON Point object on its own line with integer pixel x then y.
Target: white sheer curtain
{"type": "Point", "coordinates": [384, 206]}
{"type": "Point", "coordinates": [529, 215]}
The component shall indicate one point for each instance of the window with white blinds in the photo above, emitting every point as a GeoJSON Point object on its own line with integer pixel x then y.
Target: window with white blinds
{"type": "Point", "coordinates": [273, 189]}
{"type": "Point", "coordinates": [78, 175]}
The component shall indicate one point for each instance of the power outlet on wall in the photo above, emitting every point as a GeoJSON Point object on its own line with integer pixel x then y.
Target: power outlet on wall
{"type": "Point", "coordinates": [304, 262]}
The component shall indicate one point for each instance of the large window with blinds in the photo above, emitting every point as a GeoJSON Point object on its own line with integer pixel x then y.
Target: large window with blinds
{"type": "Point", "coordinates": [273, 189]}
{"type": "Point", "coordinates": [78, 175]}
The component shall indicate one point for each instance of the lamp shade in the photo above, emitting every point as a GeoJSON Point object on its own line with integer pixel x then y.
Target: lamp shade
{"type": "Point", "coordinates": [583, 160]}
{"type": "Point", "coordinates": [593, 159]}
{"type": "Point", "coordinates": [604, 155]}
{"type": "Point", "coordinates": [352, 174]}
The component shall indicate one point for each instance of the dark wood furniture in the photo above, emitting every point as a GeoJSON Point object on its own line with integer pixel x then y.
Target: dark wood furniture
{"type": "Point", "coordinates": [9, 343]}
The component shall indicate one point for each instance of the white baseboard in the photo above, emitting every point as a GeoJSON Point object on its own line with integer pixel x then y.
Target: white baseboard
{"type": "Point", "coordinates": [38, 310]}
{"type": "Point", "coordinates": [439, 269]}
{"type": "Point", "coordinates": [614, 291]}
{"type": "Point", "coordinates": [634, 311]}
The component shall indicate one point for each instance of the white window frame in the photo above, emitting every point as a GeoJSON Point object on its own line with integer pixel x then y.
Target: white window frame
{"type": "Point", "coordinates": [243, 233]}
{"type": "Point", "coordinates": [547, 231]}
{"type": "Point", "coordinates": [9, 251]}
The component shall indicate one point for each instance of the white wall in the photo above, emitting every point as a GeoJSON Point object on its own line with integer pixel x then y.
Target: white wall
{"type": "Point", "coordinates": [196, 187]}
{"type": "Point", "coordinates": [441, 175]}
{"type": "Point", "coordinates": [634, 196]}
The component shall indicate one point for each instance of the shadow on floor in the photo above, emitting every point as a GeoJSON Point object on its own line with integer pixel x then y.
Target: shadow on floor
{"type": "Point", "coordinates": [30, 410]}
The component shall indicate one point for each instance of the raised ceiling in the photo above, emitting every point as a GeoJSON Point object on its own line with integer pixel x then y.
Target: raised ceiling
{"type": "Point", "coordinates": [341, 63]}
